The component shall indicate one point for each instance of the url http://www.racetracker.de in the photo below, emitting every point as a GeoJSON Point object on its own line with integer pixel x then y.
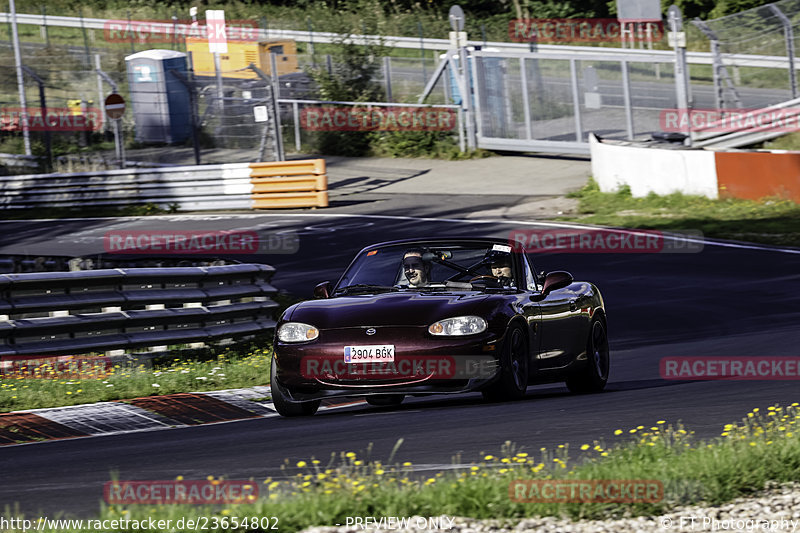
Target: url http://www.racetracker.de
{"type": "Point", "coordinates": [197, 523]}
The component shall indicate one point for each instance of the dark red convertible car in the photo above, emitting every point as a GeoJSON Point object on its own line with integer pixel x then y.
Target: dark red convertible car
{"type": "Point", "coordinates": [439, 316]}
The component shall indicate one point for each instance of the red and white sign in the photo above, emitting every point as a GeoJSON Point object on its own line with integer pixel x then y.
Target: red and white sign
{"type": "Point", "coordinates": [115, 106]}
{"type": "Point", "coordinates": [215, 24]}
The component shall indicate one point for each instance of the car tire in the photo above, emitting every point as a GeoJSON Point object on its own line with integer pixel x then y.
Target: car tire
{"type": "Point", "coordinates": [513, 381]}
{"type": "Point", "coordinates": [283, 405]}
{"type": "Point", "coordinates": [594, 376]}
{"type": "Point", "coordinates": [390, 400]}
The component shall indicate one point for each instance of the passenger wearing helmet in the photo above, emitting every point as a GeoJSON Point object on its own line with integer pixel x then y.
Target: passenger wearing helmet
{"type": "Point", "coordinates": [500, 266]}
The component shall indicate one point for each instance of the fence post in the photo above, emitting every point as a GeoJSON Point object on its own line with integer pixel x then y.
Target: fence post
{"type": "Point", "coordinates": [526, 102]}
{"type": "Point", "coordinates": [311, 41]}
{"type": "Point", "coordinates": [130, 32]}
{"type": "Point", "coordinates": [469, 76]}
{"type": "Point", "coordinates": [576, 101]}
{"type": "Point", "coordinates": [296, 114]}
{"type": "Point", "coordinates": [174, 31]}
{"type": "Point", "coordinates": [26, 134]}
{"type": "Point", "coordinates": [422, 53]}
{"type": "Point", "coordinates": [720, 72]}
{"type": "Point", "coordinates": [681, 75]}
{"type": "Point", "coordinates": [387, 77]}
{"type": "Point", "coordinates": [626, 92]}
{"type": "Point", "coordinates": [45, 35]}
{"type": "Point", "coordinates": [789, 35]}
{"type": "Point", "coordinates": [43, 104]}
{"type": "Point", "coordinates": [274, 89]}
{"type": "Point", "coordinates": [85, 39]}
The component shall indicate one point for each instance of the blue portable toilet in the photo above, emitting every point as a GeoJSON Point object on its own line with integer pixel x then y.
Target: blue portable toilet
{"type": "Point", "coordinates": [160, 102]}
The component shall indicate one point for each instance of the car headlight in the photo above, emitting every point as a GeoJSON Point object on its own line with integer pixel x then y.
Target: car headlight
{"type": "Point", "coordinates": [297, 332]}
{"type": "Point", "coordinates": [459, 325]}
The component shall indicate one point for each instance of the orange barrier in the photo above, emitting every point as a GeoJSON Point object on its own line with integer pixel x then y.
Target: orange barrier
{"type": "Point", "coordinates": [755, 175]}
{"type": "Point", "coordinates": [302, 183]}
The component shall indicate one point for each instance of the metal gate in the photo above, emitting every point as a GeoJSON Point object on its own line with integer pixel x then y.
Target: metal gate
{"type": "Point", "coordinates": [550, 102]}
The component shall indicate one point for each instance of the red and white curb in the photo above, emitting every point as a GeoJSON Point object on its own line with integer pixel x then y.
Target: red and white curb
{"type": "Point", "coordinates": [149, 413]}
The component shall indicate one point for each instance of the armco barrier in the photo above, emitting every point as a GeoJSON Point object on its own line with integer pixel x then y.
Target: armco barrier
{"type": "Point", "coordinates": [58, 313]}
{"type": "Point", "coordinates": [289, 184]}
{"type": "Point", "coordinates": [665, 169]}
{"type": "Point", "coordinates": [202, 187]}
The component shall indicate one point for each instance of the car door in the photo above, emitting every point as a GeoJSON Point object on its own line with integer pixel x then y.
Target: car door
{"type": "Point", "coordinates": [532, 312]}
{"type": "Point", "coordinates": [560, 335]}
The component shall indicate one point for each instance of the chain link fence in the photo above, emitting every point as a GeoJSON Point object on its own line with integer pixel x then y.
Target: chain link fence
{"type": "Point", "coordinates": [767, 31]}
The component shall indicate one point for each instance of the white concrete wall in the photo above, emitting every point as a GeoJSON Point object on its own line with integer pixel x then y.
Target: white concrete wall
{"type": "Point", "coordinates": [657, 170]}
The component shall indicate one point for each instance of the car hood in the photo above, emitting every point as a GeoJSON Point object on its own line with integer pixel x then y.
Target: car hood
{"type": "Point", "coordinates": [387, 309]}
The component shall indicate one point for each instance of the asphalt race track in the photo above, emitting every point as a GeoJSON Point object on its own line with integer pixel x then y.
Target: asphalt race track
{"type": "Point", "coordinates": [727, 300]}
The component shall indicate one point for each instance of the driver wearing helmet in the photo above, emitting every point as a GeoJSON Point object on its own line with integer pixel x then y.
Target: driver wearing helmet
{"type": "Point", "coordinates": [500, 266]}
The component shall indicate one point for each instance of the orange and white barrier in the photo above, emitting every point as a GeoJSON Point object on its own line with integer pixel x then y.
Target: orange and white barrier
{"type": "Point", "coordinates": [714, 174]}
{"type": "Point", "coordinates": [279, 184]}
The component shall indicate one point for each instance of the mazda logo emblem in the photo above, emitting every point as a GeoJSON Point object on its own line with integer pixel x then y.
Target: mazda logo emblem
{"type": "Point", "coordinates": [371, 331]}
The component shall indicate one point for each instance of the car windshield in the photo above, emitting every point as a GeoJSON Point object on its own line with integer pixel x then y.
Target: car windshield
{"type": "Point", "coordinates": [431, 266]}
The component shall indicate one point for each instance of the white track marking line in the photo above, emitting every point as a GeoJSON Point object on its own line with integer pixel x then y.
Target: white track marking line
{"type": "Point", "coordinates": [565, 225]}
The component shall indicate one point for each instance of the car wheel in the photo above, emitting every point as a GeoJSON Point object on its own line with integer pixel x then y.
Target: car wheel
{"type": "Point", "coordinates": [594, 376]}
{"type": "Point", "coordinates": [283, 405]}
{"type": "Point", "coordinates": [390, 400]}
{"type": "Point", "coordinates": [513, 379]}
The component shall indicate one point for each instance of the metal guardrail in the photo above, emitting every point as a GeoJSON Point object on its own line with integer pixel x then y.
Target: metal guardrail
{"type": "Point", "coordinates": [772, 123]}
{"type": "Point", "coordinates": [21, 263]}
{"type": "Point", "coordinates": [204, 187]}
{"type": "Point", "coordinates": [69, 313]}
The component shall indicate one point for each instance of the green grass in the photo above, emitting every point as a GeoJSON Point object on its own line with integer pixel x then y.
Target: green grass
{"type": "Point", "coordinates": [790, 141]}
{"type": "Point", "coordinates": [773, 221]}
{"type": "Point", "coordinates": [747, 456]}
{"type": "Point", "coordinates": [91, 382]}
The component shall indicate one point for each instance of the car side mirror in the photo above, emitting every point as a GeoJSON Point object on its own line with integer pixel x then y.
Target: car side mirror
{"type": "Point", "coordinates": [323, 290]}
{"type": "Point", "coordinates": [558, 279]}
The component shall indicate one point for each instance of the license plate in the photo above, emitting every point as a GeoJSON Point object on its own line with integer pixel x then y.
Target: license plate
{"type": "Point", "coordinates": [375, 353]}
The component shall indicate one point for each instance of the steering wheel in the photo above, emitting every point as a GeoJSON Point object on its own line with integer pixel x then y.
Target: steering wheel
{"type": "Point", "coordinates": [477, 278]}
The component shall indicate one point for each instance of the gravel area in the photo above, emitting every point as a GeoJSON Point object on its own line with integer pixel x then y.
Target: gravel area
{"type": "Point", "coordinates": [775, 509]}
